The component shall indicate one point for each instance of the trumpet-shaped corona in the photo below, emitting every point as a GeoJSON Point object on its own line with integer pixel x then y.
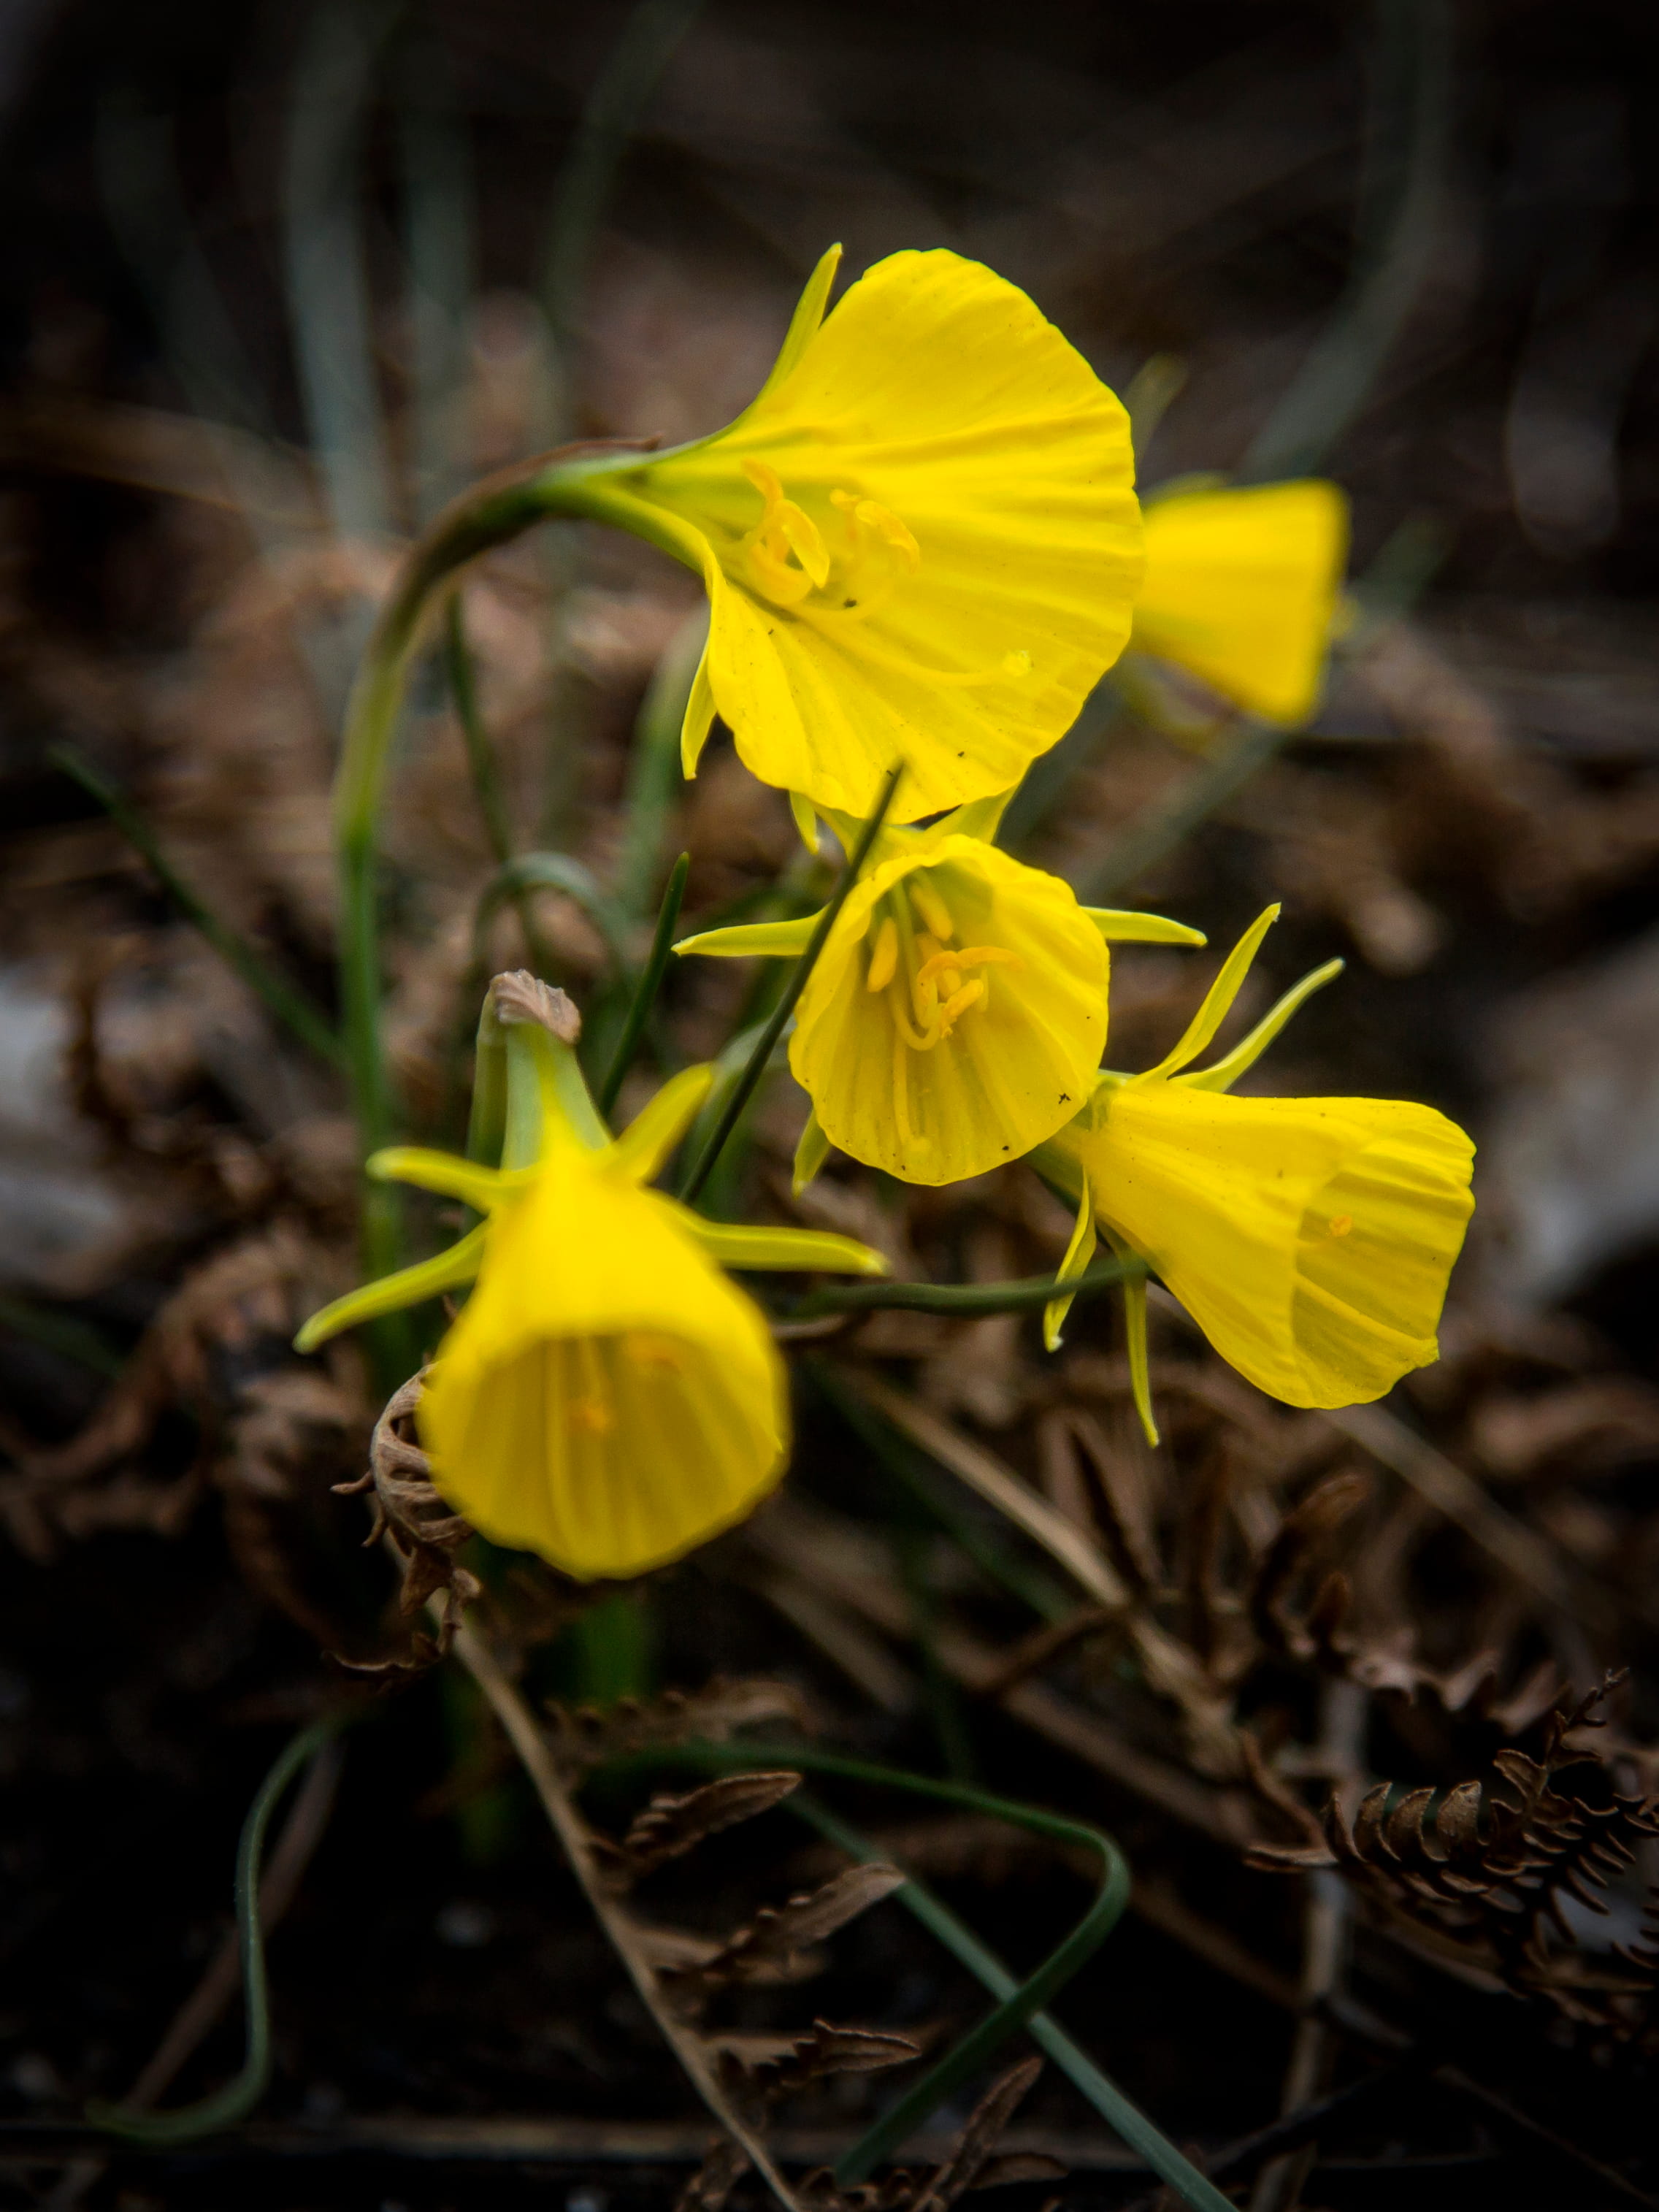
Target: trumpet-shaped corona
{"type": "Point", "coordinates": [956, 1014]}
{"type": "Point", "coordinates": [608, 1397]}
{"type": "Point", "coordinates": [1311, 1239]}
{"type": "Point", "coordinates": [1240, 588]}
{"type": "Point", "coordinates": [920, 540]}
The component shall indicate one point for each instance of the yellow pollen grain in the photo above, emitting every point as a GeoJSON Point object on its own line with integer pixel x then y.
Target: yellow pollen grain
{"type": "Point", "coordinates": [932, 908]}
{"type": "Point", "coordinates": [1339, 1224]}
{"type": "Point", "coordinates": [883, 955]}
{"type": "Point", "coordinates": [1016, 664]}
{"type": "Point", "coordinates": [593, 1415]}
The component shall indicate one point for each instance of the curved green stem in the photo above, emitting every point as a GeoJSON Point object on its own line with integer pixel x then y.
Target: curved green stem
{"type": "Point", "coordinates": [226, 2106]}
{"type": "Point", "coordinates": [498, 511]}
{"type": "Point", "coordinates": [1025, 1294]}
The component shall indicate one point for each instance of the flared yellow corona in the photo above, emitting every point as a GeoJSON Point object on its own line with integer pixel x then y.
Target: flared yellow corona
{"type": "Point", "coordinates": [1241, 588]}
{"type": "Point", "coordinates": [607, 1398]}
{"type": "Point", "coordinates": [1311, 1239]}
{"type": "Point", "coordinates": [921, 540]}
{"type": "Point", "coordinates": [956, 1015]}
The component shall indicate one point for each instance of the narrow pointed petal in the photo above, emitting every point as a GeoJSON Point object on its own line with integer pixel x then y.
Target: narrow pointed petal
{"type": "Point", "coordinates": [1127, 926]}
{"type": "Point", "coordinates": [806, 820]}
{"type": "Point", "coordinates": [737, 1245]}
{"type": "Point", "coordinates": [1244, 1055]}
{"type": "Point", "coordinates": [1079, 1252]}
{"type": "Point", "coordinates": [811, 1153]}
{"type": "Point", "coordinates": [700, 712]}
{"type": "Point", "coordinates": [446, 1173]}
{"type": "Point", "coordinates": [651, 1136]}
{"type": "Point", "coordinates": [980, 818]}
{"type": "Point", "coordinates": [410, 1286]}
{"type": "Point", "coordinates": [1135, 1337]}
{"type": "Point", "coordinates": [778, 940]}
{"type": "Point", "coordinates": [804, 323]}
{"type": "Point", "coordinates": [1218, 999]}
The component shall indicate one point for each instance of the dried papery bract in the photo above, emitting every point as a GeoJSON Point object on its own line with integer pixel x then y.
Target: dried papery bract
{"type": "Point", "coordinates": [411, 1513]}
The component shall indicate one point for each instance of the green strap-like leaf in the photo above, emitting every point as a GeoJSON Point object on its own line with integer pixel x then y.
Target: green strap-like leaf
{"type": "Point", "coordinates": [410, 1286]}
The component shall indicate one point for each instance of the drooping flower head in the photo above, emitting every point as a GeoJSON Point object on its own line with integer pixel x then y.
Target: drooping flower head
{"type": "Point", "coordinates": [608, 1397]}
{"type": "Point", "coordinates": [921, 540]}
{"type": "Point", "coordinates": [1311, 1239]}
{"type": "Point", "coordinates": [1242, 587]}
{"type": "Point", "coordinates": [956, 1014]}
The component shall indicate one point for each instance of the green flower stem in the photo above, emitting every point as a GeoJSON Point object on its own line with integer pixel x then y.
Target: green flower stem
{"type": "Point", "coordinates": [306, 1021]}
{"type": "Point", "coordinates": [644, 997]}
{"type": "Point", "coordinates": [563, 485]}
{"type": "Point", "coordinates": [743, 1089]}
{"type": "Point", "coordinates": [486, 780]}
{"type": "Point", "coordinates": [1025, 1294]}
{"type": "Point", "coordinates": [240, 2095]}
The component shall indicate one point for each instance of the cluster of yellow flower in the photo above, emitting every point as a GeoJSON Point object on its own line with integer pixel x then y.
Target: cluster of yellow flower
{"type": "Point", "coordinates": [921, 544]}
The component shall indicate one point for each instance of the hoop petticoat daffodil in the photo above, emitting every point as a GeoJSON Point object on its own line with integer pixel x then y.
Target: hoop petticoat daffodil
{"type": "Point", "coordinates": [1311, 1239]}
{"type": "Point", "coordinates": [1241, 588]}
{"type": "Point", "coordinates": [607, 1398]}
{"type": "Point", "coordinates": [956, 1014]}
{"type": "Point", "coordinates": [921, 539]}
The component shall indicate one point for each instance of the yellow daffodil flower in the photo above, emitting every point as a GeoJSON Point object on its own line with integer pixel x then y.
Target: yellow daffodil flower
{"type": "Point", "coordinates": [607, 1398]}
{"type": "Point", "coordinates": [956, 1014]}
{"type": "Point", "coordinates": [1311, 1239]}
{"type": "Point", "coordinates": [1241, 588]}
{"type": "Point", "coordinates": [920, 540]}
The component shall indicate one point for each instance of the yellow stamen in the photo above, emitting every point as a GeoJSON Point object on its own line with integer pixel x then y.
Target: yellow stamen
{"type": "Point", "coordinates": [931, 907]}
{"type": "Point", "coordinates": [970, 956]}
{"type": "Point", "coordinates": [883, 955]}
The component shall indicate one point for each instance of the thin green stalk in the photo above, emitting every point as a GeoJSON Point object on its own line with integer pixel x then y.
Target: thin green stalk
{"type": "Point", "coordinates": [498, 512]}
{"type": "Point", "coordinates": [653, 767]}
{"type": "Point", "coordinates": [908, 1466]}
{"type": "Point", "coordinates": [645, 995]}
{"type": "Point", "coordinates": [306, 1022]}
{"type": "Point", "coordinates": [239, 2097]}
{"type": "Point", "coordinates": [786, 1006]}
{"type": "Point", "coordinates": [1159, 828]}
{"type": "Point", "coordinates": [625, 84]}
{"type": "Point", "coordinates": [1126, 2120]}
{"type": "Point", "coordinates": [1408, 135]}
{"type": "Point", "coordinates": [1024, 1294]}
{"type": "Point", "coordinates": [323, 247]}
{"type": "Point", "coordinates": [480, 753]}
{"type": "Point", "coordinates": [439, 216]}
